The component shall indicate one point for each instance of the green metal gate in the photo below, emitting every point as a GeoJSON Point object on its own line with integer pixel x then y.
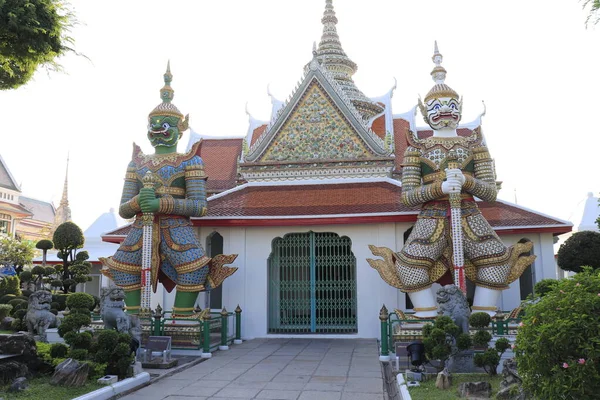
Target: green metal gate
{"type": "Point", "coordinates": [312, 284]}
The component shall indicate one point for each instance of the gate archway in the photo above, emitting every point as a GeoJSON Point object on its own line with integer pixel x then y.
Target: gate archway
{"type": "Point", "coordinates": [312, 284]}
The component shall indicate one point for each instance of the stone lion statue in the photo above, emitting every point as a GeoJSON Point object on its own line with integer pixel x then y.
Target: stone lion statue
{"type": "Point", "coordinates": [38, 317]}
{"type": "Point", "coordinates": [453, 303]}
{"type": "Point", "coordinates": [112, 305]}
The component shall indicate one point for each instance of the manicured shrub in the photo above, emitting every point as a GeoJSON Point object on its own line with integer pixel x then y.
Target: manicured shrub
{"type": "Point", "coordinates": [5, 310]}
{"type": "Point", "coordinates": [18, 325]}
{"type": "Point", "coordinates": [10, 285]}
{"type": "Point", "coordinates": [580, 250]}
{"type": "Point", "coordinates": [80, 301]}
{"type": "Point", "coordinates": [557, 348]}
{"type": "Point", "coordinates": [6, 298]}
{"type": "Point", "coordinates": [79, 354]}
{"type": "Point", "coordinates": [114, 350]}
{"type": "Point", "coordinates": [480, 320]}
{"type": "Point", "coordinates": [19, 314]}
{"type": "Point", "coordinates": [73, 323]}
{"type": "Point", "coordinates": [544, 286]}
{"type": "Point", "coordinates": [25, 276]}
{"type": "Point", "coordinates": [482, 338]}
{"type": "Point", "coordinates": [490, 359]}
{"type": "Point", "coordinates": [58, 350]}
{"type": "Point", "coordinates": [15, 303]}
{"type": "Point", "coordinates": [26, 293]}
{"type": "Point", "coordinates": [443, 339]}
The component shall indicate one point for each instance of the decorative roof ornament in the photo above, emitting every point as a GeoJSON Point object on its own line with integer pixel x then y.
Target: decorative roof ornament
{"type": "Point", "coordinates": [166, 108]}
{"type": "Point", "coordinates": [332, 57]}
{"type": "Point", "coordinates": [438, 74]}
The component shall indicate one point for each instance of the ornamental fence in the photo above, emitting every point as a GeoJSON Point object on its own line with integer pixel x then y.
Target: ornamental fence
{"type": "Point", "coordinates": [207, 332]}
{"type": "Point", "coordinates": [399, 326]}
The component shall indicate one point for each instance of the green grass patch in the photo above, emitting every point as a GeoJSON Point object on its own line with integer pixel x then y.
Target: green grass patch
{"type": "Point", "coordinates": [6, 332]}
{"type": "Point", "coordinates": [428, 391]}
{"type": "Point", "coordinates": [40, 388]}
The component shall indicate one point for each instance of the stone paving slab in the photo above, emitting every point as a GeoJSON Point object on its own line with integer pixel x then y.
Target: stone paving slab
{"type": "Point", "coordinates": [284, 369]}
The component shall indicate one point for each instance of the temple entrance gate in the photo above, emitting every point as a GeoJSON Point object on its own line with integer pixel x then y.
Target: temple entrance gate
{"type": "Point", "coordinates": [312, 284]}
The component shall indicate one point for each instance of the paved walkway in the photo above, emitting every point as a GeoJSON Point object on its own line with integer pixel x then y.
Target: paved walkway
{"type": "Point", "coordinates": [290, 369]}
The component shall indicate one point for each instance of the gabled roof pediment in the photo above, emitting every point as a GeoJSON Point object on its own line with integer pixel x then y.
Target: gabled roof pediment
{"type": "Point", "coordinates": [319, 122]}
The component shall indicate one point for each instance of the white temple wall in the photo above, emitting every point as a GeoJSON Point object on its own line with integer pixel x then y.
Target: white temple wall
{"type": "Point", "coordinates": [248, 287]}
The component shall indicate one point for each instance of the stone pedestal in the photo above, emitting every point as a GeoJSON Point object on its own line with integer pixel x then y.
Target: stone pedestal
{"type": "Point", "coordinates": [462, 362]}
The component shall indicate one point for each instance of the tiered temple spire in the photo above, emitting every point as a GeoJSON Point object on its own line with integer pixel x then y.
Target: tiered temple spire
{"type": "Point", "coordinates": [332, 56]}
{"type": "Point", "coordinates": [63, 212]}
{"type": "Point", "coordinates": [438, 74]}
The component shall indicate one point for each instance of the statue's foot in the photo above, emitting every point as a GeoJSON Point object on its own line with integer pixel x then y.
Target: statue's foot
{"type": "Point", "coordinates": [485, 300]}
{"type": "Point", "coordinates": [424, 303]}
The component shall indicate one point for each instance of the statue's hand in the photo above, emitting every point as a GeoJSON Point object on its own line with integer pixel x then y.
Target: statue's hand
{"type": "Point", "coordinates": [454, 181]}
{"type": "Point", "coordinates": [148, 201]}
{"type": "Point", "coordinates": [455, 173]}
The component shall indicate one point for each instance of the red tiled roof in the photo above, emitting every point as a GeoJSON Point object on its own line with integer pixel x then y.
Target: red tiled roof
{"type": "Point", "coordinates": [306, 200]}
{"type": "Point", "coordinates": [378, 126]}
{"type": "Point", "coordinates": [346, 203]}
{"type": "Point", "coordinates": [220, 162]}
{"type": "Point", "coordinates": [257, 132]}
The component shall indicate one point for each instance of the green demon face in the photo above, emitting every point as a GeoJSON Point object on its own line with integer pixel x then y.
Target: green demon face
{"type": "Point", "coordinates": [163, 130]}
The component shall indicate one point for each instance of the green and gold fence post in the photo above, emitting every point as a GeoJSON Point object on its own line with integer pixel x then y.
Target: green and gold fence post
{"type": "Point", "coordinates": [224, 315]}
{"type": "Point", "coordinates": [238, 325]}
{"type": "Point", "coordinates": [206, 331]}
{"type": "Point", "coordinates": [158, 314]}
{"type": "Point", "coordinates": [383, 317]}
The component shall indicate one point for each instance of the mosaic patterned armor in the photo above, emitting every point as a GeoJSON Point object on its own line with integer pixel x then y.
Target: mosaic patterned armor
{"type": "Point", "coordinates": [427, 253]}
{"type": "Point", "coordinates": [429, 179]}
{"type": "Point", "coordinates": [179, 192]}
{"type": "Point", "coordinates": [177, 259]}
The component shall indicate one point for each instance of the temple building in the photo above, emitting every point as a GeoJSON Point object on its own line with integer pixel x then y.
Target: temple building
{"type": "Point", "coordinates": [302, 196]}
{"type": "Point", "coordinates": [21, 216]}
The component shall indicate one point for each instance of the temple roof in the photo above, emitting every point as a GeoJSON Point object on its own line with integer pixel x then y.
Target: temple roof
{"type": "Point", "coordinates": [42, 210]}
{"type": "Point", "coordinates": [15, 208]}
{"type": "Point", "coordinates": [333, 57]}
{"type": "Point", "coordinates": [6, 179]}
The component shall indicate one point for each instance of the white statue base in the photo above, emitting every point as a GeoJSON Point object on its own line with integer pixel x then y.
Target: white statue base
{"type": "Point", "coordinates": [424, 303]}
{"type": "Point", "coordinates": [485, 300]}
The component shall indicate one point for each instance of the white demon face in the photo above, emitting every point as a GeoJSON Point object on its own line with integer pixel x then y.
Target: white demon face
{"type": "Point", "coordinates": [443, 112]}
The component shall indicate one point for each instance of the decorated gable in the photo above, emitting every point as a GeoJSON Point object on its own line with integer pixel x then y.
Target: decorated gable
{"type": "Point", "coordinates": [316, 129]}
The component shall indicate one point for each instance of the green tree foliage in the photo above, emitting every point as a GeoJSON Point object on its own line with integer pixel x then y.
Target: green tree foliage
{"type": "Point", "coordinates": [14, 252]}
{"type": "Point", "coordinates": [33, 33]}
{"type": "Point", "coordinates": [580, 250]}
{"type": "Point", "coordinates": [10, 285]}
{"type": "Point", "coordinates": [544, 286]}
{"type": "Point", "coordinates": [558, 345]}
{"type": "Point", "coordinates": [490, 358]}
{"type": "Point", "coordinates": [442, 339]}
{"type": "Point", "coordinates": [113, 349]}
{"type": "Point", "coordinates": [68, 238]}
{"type": "Point", "coordinates": [593, 6]}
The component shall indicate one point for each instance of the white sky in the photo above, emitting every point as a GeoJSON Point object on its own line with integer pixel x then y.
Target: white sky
{"type": "Point", "coordinates": [533, 62]}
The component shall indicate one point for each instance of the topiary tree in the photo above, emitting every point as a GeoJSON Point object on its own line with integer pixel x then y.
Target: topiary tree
{"type": "Point", "coordinates": [113, 349]}
{"type": "Point", "coordinates": [490, 358]}
{"type": "Point", "coordinates": [78, 317]}
{"type": "Point", "coordinates": [10, 285]}
{"type": "Point", "coordinates": [443, 339]}
{"type": "Point", "coordinates": [68, 238]}
{"type": "Point", "coordinates": [557, 348]}
{"type": "Point", "coordinates": [44, 245]}
{"type": "Point", "coordinates": [581, 249]}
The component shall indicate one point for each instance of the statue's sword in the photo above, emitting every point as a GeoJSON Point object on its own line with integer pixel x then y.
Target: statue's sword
{"type": "Point", "coordinates": [458, 258]}
{"type": "Point", "coordinates": [147, 220]}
